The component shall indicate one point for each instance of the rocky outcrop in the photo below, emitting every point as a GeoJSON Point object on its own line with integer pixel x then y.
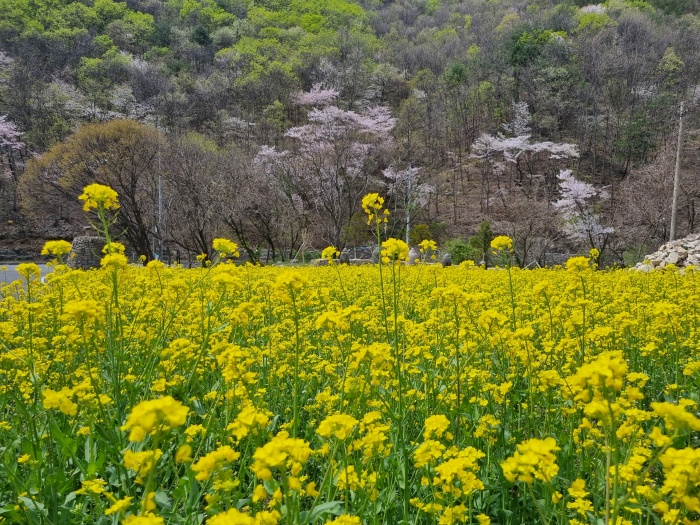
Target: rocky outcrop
{"type": "Point", "coordinates": [681, 252]}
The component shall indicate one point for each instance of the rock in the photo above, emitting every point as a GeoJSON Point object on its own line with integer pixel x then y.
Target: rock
{"type": "Point", "coordinates": [681, 252]}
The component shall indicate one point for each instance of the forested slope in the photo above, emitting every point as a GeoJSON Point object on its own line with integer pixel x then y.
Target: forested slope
{"type": "Point", "coordinates": [267, 119]}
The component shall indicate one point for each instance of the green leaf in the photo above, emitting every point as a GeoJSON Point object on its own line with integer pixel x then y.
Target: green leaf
{"type": "Point", "coordinates": [271, 485]}
{"type": "Point", "coordinates": [68, 445]}
{"type": "Point", "coordinates": [34, 507]}
{"type": "Point", "coordinates": [163, 500]}
{"type": "Point", "coordinates": [329, 507]}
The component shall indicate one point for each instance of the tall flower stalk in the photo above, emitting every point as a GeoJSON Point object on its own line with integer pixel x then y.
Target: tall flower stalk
{"type": "Point", "coordinates": [393, 252]}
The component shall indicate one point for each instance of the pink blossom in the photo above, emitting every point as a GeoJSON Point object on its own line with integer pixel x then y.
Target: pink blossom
{"type": "Point", "coordinates": [316, 97]}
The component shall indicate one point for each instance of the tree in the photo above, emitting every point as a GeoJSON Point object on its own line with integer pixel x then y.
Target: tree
{"type": "Point", "coordinates": [196, 175]}
{"type": "Point", "coordinates": [577, 207]}
{"type": "Point", "coordinates": [12, 157]}
{"type": "Point", "coordinates": [332, 161]}
{"type": "Point", "coordinates": [122, 154]}
{"type": "Point", "coordinates": [408, 190]}
{"type": "Point", "coordinates": [526, 163]}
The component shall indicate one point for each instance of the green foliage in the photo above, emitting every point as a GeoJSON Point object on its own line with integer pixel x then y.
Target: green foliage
{"type": "Point", "coordinates": [670, 68]}
{"type": "Point", "coordinates": [357, 233]}
{"type": "Point", "coordinates": [201, 36]}
{"type": "Point", "coordinates": [594, 22]}
{"type": "Point", "coordinates": [420, 232]}
{"type": "Point", "coordinates": [460, 250]}
{"type": "Point", "coordinates": [431, 6]}
{"type": "Point", "coordinates": [476, 248]}
{"type": "Point", "coordinates": [676, 7]}
{"type": "Point", "coordinates": [528, 45]}
{"type": "Point", "coordinates": [456, 73]}
{"type": "Point", "coordinates": [482, 240]}
{"type": "Point", "coordinates": [637, 137]}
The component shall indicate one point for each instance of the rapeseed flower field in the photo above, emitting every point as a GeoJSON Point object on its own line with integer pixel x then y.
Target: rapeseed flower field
{"type": "Point", "coordinates": [381, 394]}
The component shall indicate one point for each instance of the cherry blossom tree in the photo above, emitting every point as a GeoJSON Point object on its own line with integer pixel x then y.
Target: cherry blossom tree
{"type": "Point", "coordinates": [408, 189]}
{"type": "Point", "coordinates": [577, 207]}
{"type": "Point", "coordinates": [519, 181]}
{"type": "Point", "coordinates": [514, 153]}
{"type": "Point", "coordinates": [317, 97]}
{"type": "Point", "coordinates": [12, 158]}
{"type": "Point", "coordinates": [331, 163]}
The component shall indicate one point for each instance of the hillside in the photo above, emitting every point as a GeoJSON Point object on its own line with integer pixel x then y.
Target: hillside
{"type": "Point", "coordinates": [266, 121]}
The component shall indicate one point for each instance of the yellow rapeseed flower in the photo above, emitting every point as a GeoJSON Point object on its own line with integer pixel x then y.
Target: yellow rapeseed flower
{"type": "Point", "coordinates": [338, 425]}
{"type": "Point", "coordinates": [277, 452]}
{"type": "Point", "coordinates": [56, 248]}
{"type": "Point", "coordinates": [210, 463]}
{"type": "Point", "coordinates": [114, 260]}
{"type": "Point", "coordinates": [577, 264]}
{"type": "Point", "coordinates": [144, 519]}
{"type": "Point", "coordinates": [534, 459]}
{"type": "Point", "coordinates": [372, 204]}
{"type": "Point", "coordinates": [148, 415]}
{"type": "Point", "coordinates": [85, 311]}
{"type": "Point", "coordinates": [30, 271]}
{"type": "Point", "coordinates": [502, 243]}
{"type": "Point", "coordinates": [329, 253]}
{"type": "Point", "coordinates": [141, 462]}
{"type": "Point", "coordinates": [225, 247]}
{"type": "Point", "coordinates": [99, 195]}
{"type": "Point", "coordinates": [435, 426]}
{"type": "Point", "coordinates": [121, 505]}
{"type": "Point", "coordinates": [394, 250]}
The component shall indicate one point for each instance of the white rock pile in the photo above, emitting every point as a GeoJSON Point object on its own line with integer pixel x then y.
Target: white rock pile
{"type": "Point", "coordinates": [681, 252]}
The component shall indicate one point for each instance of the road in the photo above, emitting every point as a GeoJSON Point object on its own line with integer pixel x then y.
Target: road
{"type": "Point", "coordinates": [10, 273]}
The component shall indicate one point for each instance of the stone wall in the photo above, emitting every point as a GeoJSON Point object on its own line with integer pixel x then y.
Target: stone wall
{"type": "Point", "coordinates": [86, 253]}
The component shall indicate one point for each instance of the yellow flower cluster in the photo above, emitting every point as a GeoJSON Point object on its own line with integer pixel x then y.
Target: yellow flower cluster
{"type": "Point", "coordinates": [502, 243]}
{"type": "Point", "coordinates": [394, 250]}
{"type": "Point", "coordinates": [114, 261]}
{"type": "Point", "coordinates": [211, 462]}
{"type": "Point", "coordinates": [249, 420]}
{"type": "Point", "coordinates": [435, 426]}
{"type": "Point", "coordinates": [577, 264]}
{"type": "Point", "coordinates": [339, 426]}
{"type": "Point", "coordinates": [235, 517]}
{"type": "Point", "coordinates": [372, 204]}
{"type": "Point", "coordinates": [534, 459]}
{"type": "Point", "coordinates": [85, 311]}
{"type": "Point", "coordinates": [96, 196]}
{"type": "Point", "coordinates": [151, 415]}
{"type": "Point", "coordinates": [56, 248]}
{"type": "Point", "coordinates": [30, 271]}
{"type": "Point", "coordinates": [225, 247]}
{"type": "Point", "coordinates": [329, 253]}
{"type": "Point", "coordinates": [281, 451]}
{"type": "Point", "coordinates": [141, 462]}
{"type": "Point", "coordinates": [62, 400]}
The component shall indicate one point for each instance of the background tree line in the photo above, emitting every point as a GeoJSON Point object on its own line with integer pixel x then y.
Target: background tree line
{"type": "Point", "coordinates": [265, 120]}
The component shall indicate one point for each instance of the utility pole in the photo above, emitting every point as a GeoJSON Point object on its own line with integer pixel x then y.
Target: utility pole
{"type": "Point", "coordinates": [677, 176]}
{"type": "Point", "coordinates": [408, 206]}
